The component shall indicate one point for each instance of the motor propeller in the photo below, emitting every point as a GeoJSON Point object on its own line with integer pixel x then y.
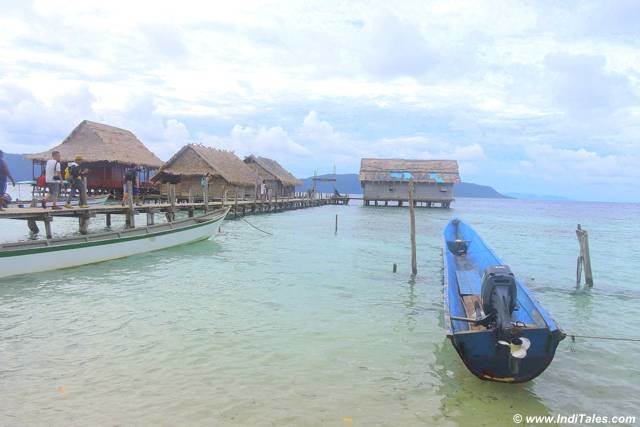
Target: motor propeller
{"type": "Point", "coordinates": [518, 346]}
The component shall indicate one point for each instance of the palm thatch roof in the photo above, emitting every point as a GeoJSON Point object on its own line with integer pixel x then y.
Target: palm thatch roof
{"type": "Point", "coordinates": [273, 168]}
{"type": "Point", "coordinates": [197, 160]}
{"type": "Point", "coordinates": [97, 142]}
{"type": "Point", "coordinates": [422, 171]}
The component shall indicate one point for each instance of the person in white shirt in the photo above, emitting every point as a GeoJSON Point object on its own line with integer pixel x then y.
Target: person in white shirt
{"type": "Point", "coordinates": [54, 179]}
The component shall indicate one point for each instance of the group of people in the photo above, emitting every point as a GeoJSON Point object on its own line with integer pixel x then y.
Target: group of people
{"type": "Point", "coordinates": [75, 175]}
{"type": "Point", "coordinates": [54, 176]}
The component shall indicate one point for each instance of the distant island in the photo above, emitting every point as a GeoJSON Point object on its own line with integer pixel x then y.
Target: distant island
{"type": "Point", "coordinates": [350, 183]}
{"type": "Point", "coordinates": [527, 196]}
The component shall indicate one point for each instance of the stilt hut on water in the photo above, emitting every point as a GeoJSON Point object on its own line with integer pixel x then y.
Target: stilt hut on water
{"type": "Point", "coordinates": [107, 151]}
{"type": "Point", "coordinates": [228, 175]}
{"type": "Point", "coordinates": [387, 180]}
{"type": "Point", "coordinates": [278, 181]}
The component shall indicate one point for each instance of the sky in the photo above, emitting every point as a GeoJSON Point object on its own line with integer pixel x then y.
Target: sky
{"type": "Point", "coordinates": [533, 97]}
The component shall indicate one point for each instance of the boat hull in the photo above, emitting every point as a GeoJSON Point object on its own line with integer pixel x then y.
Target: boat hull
{"type": "Point", "coordinates": [492, 362]}
{"type": "Point", "coordinates": [81, 251]}
{"type": "Point", "coordinates": [478, 346]}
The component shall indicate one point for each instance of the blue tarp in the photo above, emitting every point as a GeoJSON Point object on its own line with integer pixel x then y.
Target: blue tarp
{"type": "Point", "coordinates": [401, 175]}
{"type": "Point", "coordinates": [435, 177]}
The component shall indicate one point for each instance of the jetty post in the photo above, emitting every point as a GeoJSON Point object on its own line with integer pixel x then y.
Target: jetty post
{"type": "Point", "coordinates": [47, 226]}
{"type": "Point", "coordinates": [131, 214]}
{"type": "Point", "coordinates": [172, 201]}
{"type": "Point", "coordinates": [412, 216]}
{"type": "Point", "coordinates": [205, 193]}
{"type": "Point", "coordinates": [336, 231]}
{"type": "Point", "coordinates": [584, 259]}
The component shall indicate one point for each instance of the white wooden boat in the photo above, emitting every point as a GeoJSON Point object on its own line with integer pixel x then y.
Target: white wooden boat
{"type": "Point", "coordinates": [52, 254]}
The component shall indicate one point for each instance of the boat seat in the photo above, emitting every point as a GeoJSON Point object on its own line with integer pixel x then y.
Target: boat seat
{"type": "Point", "coordinates": [469, 282]}
{"type": "Point", "coordinates": [458, 247]}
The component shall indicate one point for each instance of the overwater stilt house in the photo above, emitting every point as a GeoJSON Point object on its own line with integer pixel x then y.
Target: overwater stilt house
{"type": "Point", "coordinates": [277, 180]}
{"type": "Point", "coordinates": [107, 151]}
{"type": "Point", "coordinates": [386, 181]}
{"type": "Point", "coordinates": [228, 175]}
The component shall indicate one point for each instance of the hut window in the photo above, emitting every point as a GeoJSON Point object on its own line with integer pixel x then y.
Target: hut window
{"type": "Point", "coordinates": [391, 189]}
{"type": "Point", "coordinates": [443, 189]}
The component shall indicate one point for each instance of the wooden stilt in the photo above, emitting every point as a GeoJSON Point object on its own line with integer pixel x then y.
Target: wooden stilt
{"type": "Point", "coordinates": [205, 194]}
{"type": "Point", "coordinates": [84, 224]}
{"type": "Point", "coordinates": [131, 216]}
{"type": "Point", "coordinates": [108, 219]}
{"type": "Point", "coordinates": [584, 259]}
{"type": "Point", "coordinates": [47, 227]}
{"type": "Point", "coordinates": [172, 201]}
{"type": "Point", "coordinates": [150, 218]}
{"type": "Point", "coordinates": [412, 216]}
{"type": "Point", "coordinates": [235, 207]}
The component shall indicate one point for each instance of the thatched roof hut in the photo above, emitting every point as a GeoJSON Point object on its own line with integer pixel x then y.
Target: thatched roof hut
{"type": "Point", "coordinates": [272, 168]}
{"type": "Point", "coordinates": [197, 160]}
{"type": "Point", "coordinates": [422, 171]}
{"type": "Point", "coordinates": [387, 180]}
{"type": "Point", "coordinates": [97, 142]}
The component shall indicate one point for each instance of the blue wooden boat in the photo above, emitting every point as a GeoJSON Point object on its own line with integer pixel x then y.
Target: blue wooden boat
{"type": "Point", "coordinates": [499, 330]}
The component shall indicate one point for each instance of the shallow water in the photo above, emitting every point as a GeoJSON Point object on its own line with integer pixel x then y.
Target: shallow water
{"type": "Point", "coordinates": [310, 328]}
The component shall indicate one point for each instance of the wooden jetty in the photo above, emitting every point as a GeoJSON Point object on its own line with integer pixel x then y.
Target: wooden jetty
{"type": "Point", "coordinates": [237, 208]}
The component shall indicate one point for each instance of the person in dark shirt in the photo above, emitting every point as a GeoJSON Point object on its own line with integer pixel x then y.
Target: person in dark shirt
{"type": "Point", "coordinates": [130, 175]}
{"type": "Point", "coordinates": [76, 178]}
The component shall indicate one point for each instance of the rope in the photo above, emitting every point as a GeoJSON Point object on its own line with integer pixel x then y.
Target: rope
{"type": "Point", "coordinates": [573, 338]}
{"type": "Point", "coordinates": [259, 229]}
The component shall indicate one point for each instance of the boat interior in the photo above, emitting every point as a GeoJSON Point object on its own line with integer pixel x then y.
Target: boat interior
{"type": "Point", "coordinates": [485, 291]}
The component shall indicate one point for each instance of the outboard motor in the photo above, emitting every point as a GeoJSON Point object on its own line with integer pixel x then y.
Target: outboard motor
{"type": "Point", "coordinates": [499, 296]}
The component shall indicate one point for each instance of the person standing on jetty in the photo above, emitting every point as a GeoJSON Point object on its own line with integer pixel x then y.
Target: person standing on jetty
{"type": "Point", "coordinates": [54, 178]}
{"type": "Point", "coordinates": [76, 176]}
{"type": "Point", "coordinates": [4, 175]}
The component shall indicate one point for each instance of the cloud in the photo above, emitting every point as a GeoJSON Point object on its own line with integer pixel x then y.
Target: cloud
{"type": "Point", "coordinates": [262, 141]}
{"type": "Point", "coordinates": [395, 47]}
{"type": "Point", "coordinates": [582, 84]}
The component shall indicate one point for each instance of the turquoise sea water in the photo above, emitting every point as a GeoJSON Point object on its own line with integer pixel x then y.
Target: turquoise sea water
{"type": "Point", "coordinates": [306, 327]}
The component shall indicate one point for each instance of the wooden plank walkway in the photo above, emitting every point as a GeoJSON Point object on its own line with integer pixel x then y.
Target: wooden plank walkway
{"type": "Point", "coordinates": [238, 208]}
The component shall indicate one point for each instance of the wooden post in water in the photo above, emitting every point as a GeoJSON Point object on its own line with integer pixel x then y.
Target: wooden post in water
{"type": "Point", "coordinates": [131, 216]}
{"type": "Point", "coordinates": [584, 259]}
{"type": "Point", "coordinates": [84, 223]}
{"type": "Point", "coordinates": [47, 227]}
{"type": "Point", "coordinates": [172, 200]}
{"type": "Point", "coordinates": [412, 216]}
{"type": "Point", "coordinates": [336, 232]}
{"type": "Point", "coordinates": [108, 219]}
{"type": "Point", "coordinates": [235, 207]}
